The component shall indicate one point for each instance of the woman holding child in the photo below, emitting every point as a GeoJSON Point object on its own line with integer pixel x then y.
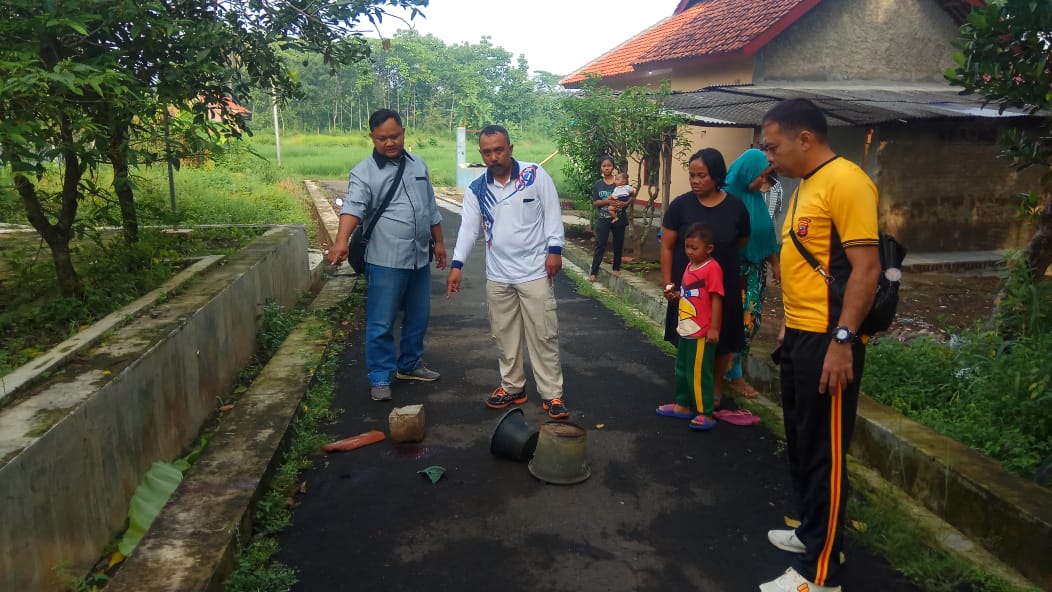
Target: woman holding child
{"type": "Point", "coordinates": [727, 220]}
{"type": "Point", "coordinates": [610, 220]}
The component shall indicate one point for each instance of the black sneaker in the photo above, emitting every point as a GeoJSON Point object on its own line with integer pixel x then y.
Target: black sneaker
{"type": "Point", "coordinates": [555, 408]}
{"type": "Point", "coordinates": [502, 398]}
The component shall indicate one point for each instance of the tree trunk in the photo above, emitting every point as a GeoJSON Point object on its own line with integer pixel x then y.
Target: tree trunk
{"type": "Point", "coordinates": [117, 152]}
{"type": "Point", "coordinates": [665, 178]}
{"type": "Point", "coordinates": [57, 235]}
{"type": "Point", "coordinates": [1038, 251]}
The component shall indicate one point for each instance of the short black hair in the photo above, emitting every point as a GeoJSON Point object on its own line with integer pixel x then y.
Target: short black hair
{"type": "Point", "coordinates": [381, 115]}
{"type": "Point", "coordinates": [605, 158]}
{"type": "Point", "coordinates": [797, 115]}
{"type": "Point", "coordinates": [714, 162]}
{"type": "Point", "coordinates": [490, 130]}
{"type": "Point", "coordinates": [700, 231]}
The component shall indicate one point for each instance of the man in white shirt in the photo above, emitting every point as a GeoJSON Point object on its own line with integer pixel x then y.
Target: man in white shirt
{"type": "Point", "coordinates": [516, 206]}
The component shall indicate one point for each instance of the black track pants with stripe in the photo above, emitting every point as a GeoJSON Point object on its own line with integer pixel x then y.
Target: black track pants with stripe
{"type": "Point", "coordinates": [818, 431]}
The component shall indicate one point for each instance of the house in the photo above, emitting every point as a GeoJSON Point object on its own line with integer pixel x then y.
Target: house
{"type": "Point", "coordinates": [876, 67]}
{"type": "Point", "coordinates": [226, 112]}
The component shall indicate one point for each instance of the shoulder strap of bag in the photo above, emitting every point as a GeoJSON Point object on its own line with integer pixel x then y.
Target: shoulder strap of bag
{"type": "Point", "coordinates": [387, 200]}
{"type": "Point", "coordinates": [811, 260]}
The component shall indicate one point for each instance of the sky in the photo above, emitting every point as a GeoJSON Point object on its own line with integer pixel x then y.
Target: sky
{"type": "Point", "coordinates": [558, 36]}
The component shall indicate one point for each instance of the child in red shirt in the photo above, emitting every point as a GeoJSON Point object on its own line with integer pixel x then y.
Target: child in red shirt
{"type": "Point", "coordinates": [700, 311]}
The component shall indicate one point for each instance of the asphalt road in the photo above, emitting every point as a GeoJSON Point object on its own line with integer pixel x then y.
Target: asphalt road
{"type": "Point", "coordinates": [665, 509]}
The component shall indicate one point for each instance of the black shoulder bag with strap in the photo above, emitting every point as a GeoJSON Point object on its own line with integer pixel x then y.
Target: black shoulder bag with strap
{"type": "Point", "coordinates": [886, 300]}
{"type": "Point", "coordinates": [360, 238]}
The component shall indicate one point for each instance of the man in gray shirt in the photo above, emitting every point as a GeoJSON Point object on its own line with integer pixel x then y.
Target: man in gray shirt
{"type": "Point", "coordinates": [397, 258]}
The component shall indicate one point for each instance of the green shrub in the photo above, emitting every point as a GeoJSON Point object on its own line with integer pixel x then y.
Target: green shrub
{"type": "Point", "coordinates": [990, 393]}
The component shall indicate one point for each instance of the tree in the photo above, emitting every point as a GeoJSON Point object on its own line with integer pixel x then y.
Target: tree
{"type": "Point", "coordinates": [82, 84]}
{"type": "Point", "coordinates": [631, 126]}
{"type": "Point", "coordinates": [1005, 55]}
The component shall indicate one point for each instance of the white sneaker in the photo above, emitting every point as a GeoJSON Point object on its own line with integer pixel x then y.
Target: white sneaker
{"type": "Point", "coordinates": [791, 581]}
{"type": "Point", "coordinates": [786, 540]}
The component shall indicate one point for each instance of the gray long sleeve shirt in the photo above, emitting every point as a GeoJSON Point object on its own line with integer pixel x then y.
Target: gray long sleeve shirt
{"type": "Point", "coordinates": [400, 239]}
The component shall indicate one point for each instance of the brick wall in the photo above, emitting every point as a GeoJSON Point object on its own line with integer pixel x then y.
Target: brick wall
{"type": "Point", "coordinates": [965, 198]}
{"type": "Point", "coordinates": [904, 40]}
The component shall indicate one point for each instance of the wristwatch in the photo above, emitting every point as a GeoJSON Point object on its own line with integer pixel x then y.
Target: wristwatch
{"type": "Point", "coordinates": [844, 335]}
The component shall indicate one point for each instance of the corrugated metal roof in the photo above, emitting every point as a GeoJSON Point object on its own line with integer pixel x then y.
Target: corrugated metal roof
{"type": "Point", "coordinates": [745, 105]}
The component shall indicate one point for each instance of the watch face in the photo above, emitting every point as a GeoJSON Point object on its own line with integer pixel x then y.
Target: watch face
{"type": "Point", "coordinates": [842, 334]}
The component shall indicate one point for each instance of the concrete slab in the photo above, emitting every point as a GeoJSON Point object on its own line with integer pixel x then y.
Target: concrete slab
{"type": "Point", "coordinates": [75, 448]}
{"type": "Point", "coordinates": [192, 543]}
{"type": "Point", "coordinates": [61, 353]}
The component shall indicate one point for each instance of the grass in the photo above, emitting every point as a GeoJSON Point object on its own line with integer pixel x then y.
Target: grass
{"type": "Point", "coordinates": [985, 391]}
{"type": "Point", "coordinates": [255, 569]}
{"type": "Point", "coordinates": [239, 189]}
{"type": "Point", "coordinates": [330, 156]}
{"type": "Point", "coordinates": [33, 314]}
{"type": "Point", "coordinates": [989, 388]}
{"type": "Point", "coordinates": [912, 548]}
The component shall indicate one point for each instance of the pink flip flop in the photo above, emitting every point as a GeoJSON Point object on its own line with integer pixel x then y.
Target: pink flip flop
{"type": "Point", "coordinates": [738, 417]}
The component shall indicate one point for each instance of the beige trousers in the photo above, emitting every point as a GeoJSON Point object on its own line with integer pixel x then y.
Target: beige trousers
{"type": "Point", "coordinates": [526, 310]}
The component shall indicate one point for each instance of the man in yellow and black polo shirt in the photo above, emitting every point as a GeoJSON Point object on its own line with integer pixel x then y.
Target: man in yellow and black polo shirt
{"type": "Point", "coordinates": [833, 216]}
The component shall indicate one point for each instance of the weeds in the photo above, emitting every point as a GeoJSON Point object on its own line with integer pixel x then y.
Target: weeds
{"type": "Point", "coordinates": [990, 387]}
{"type": "Point", "coordinates": [34, 317]}
{"type": "Point", "coordinates": [255, 570]}
{"type": "Point", "coordinates": [275, 326]}
{"type": "Point", "coordinates": [91, 582]}
{"type": "Point", "coordinates": [912, 549]}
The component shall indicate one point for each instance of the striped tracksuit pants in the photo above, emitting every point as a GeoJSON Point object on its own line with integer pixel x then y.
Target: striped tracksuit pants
{"type": "Point", "coordinates": [694, 375]}
{"type": "Point", "coordinates": [818, 431]}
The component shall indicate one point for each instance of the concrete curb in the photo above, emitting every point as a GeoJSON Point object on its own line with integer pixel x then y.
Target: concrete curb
{"type": "Point", "coordinates": [74, 448]}
{"type": "Point", "coordinates": [192, 543]}
{"type": "Point", "coordinates": [62, 352]}
{"type": "Point", "coordinates": [965, 490]}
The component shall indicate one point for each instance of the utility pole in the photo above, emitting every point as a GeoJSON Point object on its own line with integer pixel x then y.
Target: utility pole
{"type": "Point", "coordinates": [277, 133]}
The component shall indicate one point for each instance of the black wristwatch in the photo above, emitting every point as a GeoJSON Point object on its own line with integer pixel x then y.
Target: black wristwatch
{"type": "Point", "coordinates": [844, 335]}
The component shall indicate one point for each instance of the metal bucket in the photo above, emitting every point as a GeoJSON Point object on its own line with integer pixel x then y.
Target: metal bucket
{"type": "Point", "coordinates": [513, 437]}
{"type": "Point", "coordinates": [561, 457]}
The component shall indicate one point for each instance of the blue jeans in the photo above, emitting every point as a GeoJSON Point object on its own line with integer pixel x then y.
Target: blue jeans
{"type": "Point", "coordinates": [390, 291]}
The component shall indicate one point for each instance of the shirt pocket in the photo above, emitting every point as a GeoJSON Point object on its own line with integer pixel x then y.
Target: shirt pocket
{"type": "Point", "coordinates": [530, 211]}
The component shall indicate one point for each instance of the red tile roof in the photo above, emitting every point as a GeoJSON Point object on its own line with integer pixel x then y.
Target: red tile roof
{"type": "Point", "coordinates": [708, 30]}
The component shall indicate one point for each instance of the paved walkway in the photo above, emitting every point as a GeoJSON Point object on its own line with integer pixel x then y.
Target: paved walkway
{"type": "Point", "coordinates": [665, 509]}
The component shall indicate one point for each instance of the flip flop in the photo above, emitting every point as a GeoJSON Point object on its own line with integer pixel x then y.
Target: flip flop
{"type": "Point", "coordinates": [743, 388]}
{"type": "Point", "coordinates": [669, 410]}
{"type": "Point", "coordinates": [738, 417]}
{"type": "Point", "coordinates": [702, 423]}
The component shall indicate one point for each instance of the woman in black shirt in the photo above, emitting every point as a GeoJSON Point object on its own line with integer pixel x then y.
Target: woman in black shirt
{"type": "Point", "coordinates": [728, 219]}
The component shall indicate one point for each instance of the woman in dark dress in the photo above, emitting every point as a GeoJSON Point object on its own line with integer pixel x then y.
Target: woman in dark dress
{"type": "Point", "coordinates": [728, 219]}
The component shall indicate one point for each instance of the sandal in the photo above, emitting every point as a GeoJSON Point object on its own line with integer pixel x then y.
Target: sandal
{"type": "Point", "coordinates": [743, 388]}
{"type": "Point", "coordinates": [702, 423]}
{"type": "Point", "coordinates": [738, 417]}
{"type": "Point", "coordinates": [669, 410]}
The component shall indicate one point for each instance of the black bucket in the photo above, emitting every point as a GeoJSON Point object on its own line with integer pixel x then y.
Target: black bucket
{"type": "Point", "coordinates": [513, 437]}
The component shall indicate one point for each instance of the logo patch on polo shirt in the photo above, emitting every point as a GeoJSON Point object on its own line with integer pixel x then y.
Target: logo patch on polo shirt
{"type": "Point", "coordinates": [802, 225]}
